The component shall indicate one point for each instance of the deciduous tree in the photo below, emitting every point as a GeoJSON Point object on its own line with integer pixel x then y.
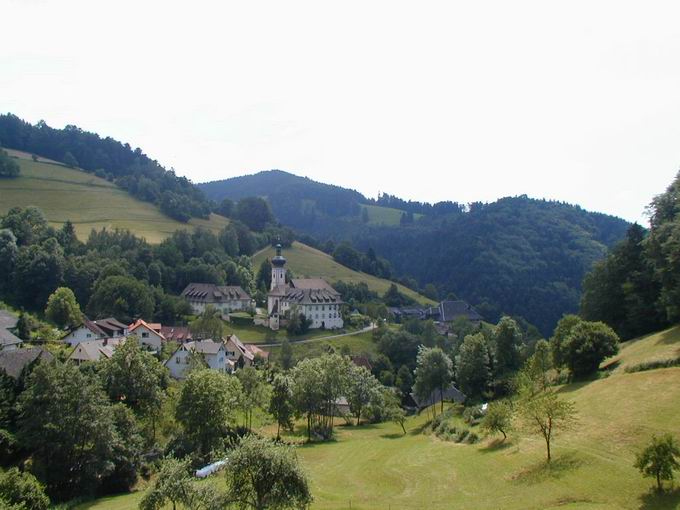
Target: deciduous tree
{"type": "Point", "coordinates": [263, 475]}
{"type": "Point", "coordinates": [63, 309]}
{"type": "Point", "coordinates": [659, 459]}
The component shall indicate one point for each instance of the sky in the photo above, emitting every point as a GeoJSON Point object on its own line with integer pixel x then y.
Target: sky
{"type": "Point", "coordinates": [467, 101]}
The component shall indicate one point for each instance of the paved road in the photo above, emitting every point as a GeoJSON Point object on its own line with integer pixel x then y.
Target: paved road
{"type": "Point", "coordinates": [321, 338]}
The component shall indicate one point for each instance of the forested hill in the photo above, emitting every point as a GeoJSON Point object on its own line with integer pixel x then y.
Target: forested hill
{"type": "Point", "coordinates": [107, 158]}
{"type": "Point", "coordinates": [518, 255]}
{"type": "Point", "coordinates": [295, 201]}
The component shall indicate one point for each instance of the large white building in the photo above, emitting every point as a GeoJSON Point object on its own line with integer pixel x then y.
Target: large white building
{"type": "Point", "coordinates": [312, 297]}
{"type": "Point", "coordinates": [225, 298]}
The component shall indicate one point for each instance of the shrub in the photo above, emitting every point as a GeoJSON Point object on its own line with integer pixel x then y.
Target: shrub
{"type": "Point", "coordinates": [653, 364]}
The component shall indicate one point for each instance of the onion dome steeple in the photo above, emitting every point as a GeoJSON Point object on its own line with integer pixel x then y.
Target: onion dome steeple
{"type": "Point", "coordinates": [279, 260]}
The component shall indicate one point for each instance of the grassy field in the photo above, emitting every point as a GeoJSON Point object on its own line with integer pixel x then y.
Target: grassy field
{"type": "Point", "coordinates": [88, 201]}
{"type": "Point", "coordinates": [259, 334]}
{"type": "Point", "coordinates": [361, 343]}
{"type": "Point", "coordinates": [377, 467]}
{"type": "Point", "coordinates": [378, 215]}
{"type": "Point", "coordinates": [655, 347]}
{"type": "Point", "coordinates": [306, 261]}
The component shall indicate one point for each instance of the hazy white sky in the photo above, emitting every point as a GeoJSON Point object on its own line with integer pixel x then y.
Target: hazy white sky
{"type": "Point", "coordinates": [452, 100]}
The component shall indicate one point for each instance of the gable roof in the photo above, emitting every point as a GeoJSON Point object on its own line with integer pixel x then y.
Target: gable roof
{"type": "Point", "coordinates": [14, 362]}
{"type": "Point", "coordinates": [110, 324]}
{"type": "Point", "coordinates": [452, 394]}
{"type": "Point", "coordinates": [313, 296]}
{"type": "Point", "coordinates": [7, 338]}
{"type": "Point", "coordinates": [151, 327]}
{"type": "Point", "coordinates": [8, 320]}
{"type": "Point", "coordinates": [312, 284]}
{"type": "Point", "coordinates": [93, 350]}
{"type": "Point", "coordinates": [211, 293]}
{"type": "Point", "coordinates": [451, 310]}
{"type": "Point", "coordinates": [205, 346]}
{"type": "Point", "coordinates": [179, 334]}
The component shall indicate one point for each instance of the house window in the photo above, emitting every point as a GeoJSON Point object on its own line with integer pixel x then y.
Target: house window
{"type": "Point", "coordinates": [145, 335]}
{"type": "Point", "coordinates": [89, 335]}
{"type": "Point", "coordinates": [177, 360]}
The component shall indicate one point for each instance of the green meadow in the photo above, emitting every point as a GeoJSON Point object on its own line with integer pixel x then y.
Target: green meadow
{"type": "Point", "coordinates": [88, 201]}
{"type": "Point", "coordinates": [306, 261]}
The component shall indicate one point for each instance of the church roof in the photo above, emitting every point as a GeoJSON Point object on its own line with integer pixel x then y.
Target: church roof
{"type": "Point", "coordinates": [312, 284]}
{"type": "Point", "coordinates": [313, 296]}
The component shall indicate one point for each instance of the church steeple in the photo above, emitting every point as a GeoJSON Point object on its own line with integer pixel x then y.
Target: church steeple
{"type": "Point", "coordinates": [278, 269]}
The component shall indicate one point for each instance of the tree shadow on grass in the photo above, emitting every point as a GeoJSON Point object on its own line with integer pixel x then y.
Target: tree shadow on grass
{"type": "Point", "coordinates": [544, 471]}
{"type": "Point", "coordinates": [497, 445]}
{"type": "Point", "coordinates": [395, 435]}
{"type": "Point", "coordinates": [420, 429]}
{"type": "Point", "coordinates": [574, 386]}
{"type": "Point", "coordinates": [655, 500]}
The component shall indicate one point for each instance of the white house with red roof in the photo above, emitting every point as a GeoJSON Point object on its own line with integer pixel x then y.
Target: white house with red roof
{"type": "Point", "coordinates": [109, 328]}
{"type": "Point", "coordinates": [149, 334]}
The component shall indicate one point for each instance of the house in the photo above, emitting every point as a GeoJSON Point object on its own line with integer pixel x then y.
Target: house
{"type": "Point", "coordinates": [149, 334]}
{"type": "Point", "coordinates": [8, 340]}
{"type": "Point", "coordinates": [408, 312]}
{"type": "Point", "coordinates": [243, 355]}
{"type": "Point", "coordinates": [224, 298]}
{"type": "Point", "coordinates": [449, 311]}
{"type": "Point", "coordinates": [214, 354]}
{"type": "Point", "coordinates": [8, 320]}
{"type": "Point", "coordinates": [451, 394]}
{"type": "Point", "coordinates": [13, 363]}
{"type": "Point", "coordinates": [179, 334]}
{"type": "Point", "coordinates": [94, 350]}
{"type": "Point", "coordinates": [96, 330]}
{"type": "Point", "coordinates": [312, 297]}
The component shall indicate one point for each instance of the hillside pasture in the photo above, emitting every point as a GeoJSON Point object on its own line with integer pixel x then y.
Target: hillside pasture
{"type": "Point", "coordinates": [387, 216]}
{"type": "Point", "coordinates": [89, 202]}
{"type": "Point", "coordinates": [660, 346]}
{"type": "Point", "coordinates": [378, 467]}
{"type": "Point", "coordinates": [305, 261]}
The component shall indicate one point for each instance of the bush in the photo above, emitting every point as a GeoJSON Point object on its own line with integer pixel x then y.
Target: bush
{"type": "Point", "coordinates": [19, 488]}
{"type": "Point", "coordinates": [473, 415]}
{"type": "Point", "coordinates": [653, 364]}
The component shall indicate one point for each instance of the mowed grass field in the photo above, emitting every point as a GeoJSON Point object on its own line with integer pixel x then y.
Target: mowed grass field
{"type": "Point", "coordinates": [659, 346]}
{"type": "Point", "coordinates": [88, 201]}
{"type": "Point", "coordinates": [378, 215]}
{"type": "Point", "coordinates": [377, 467]}
{"type": "Point", "coordinates": [306, 261]}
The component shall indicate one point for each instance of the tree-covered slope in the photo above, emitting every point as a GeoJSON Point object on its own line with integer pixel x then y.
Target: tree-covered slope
{"type": "Point", "coordinates": [517, 255]}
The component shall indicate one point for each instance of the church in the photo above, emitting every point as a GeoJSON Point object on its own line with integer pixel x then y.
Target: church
{"type": "Point", "coordinates": [312, 297]}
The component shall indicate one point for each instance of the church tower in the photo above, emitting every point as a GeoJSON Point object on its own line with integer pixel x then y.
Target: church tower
{"type": "Point", "coordinates": [278, 269]}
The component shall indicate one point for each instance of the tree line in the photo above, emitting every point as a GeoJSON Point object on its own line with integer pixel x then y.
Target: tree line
{"type": "Point", "coordinates": [636, 289]}
{"type": "Point", "coordinates": [129, 168]}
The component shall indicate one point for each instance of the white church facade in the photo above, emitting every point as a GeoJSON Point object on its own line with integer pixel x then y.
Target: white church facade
{"type": "Point", "coordinates": [313, 297]}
